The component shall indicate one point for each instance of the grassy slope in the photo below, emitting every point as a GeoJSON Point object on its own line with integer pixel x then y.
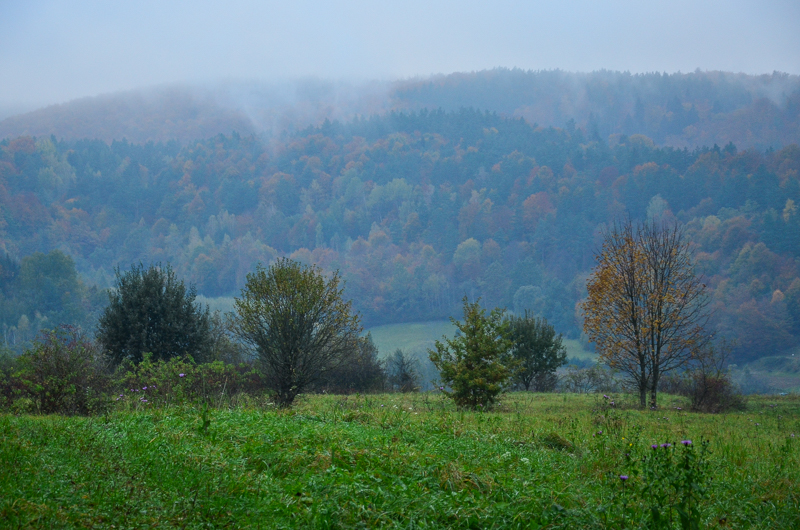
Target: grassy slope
{"type": "Point", "coordinates": [418, 336]}
{"type": "Point", "coordinates": [386, 460]}
{"type": "Point", "coordinates": [410, 337]}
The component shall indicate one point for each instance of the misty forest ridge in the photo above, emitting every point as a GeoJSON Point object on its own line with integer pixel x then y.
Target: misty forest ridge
{"type": "Point", "coordinates": [680, 110]}
{"type": "Point", "coordinates": [494, 184]}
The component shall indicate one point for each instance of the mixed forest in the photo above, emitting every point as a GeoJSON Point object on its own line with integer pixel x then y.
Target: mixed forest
{"type": "Point", "coordinates": [415, 208]}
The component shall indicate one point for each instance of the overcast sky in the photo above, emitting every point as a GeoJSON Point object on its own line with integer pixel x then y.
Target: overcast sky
{"type": "Point", "coordinates": [54, 51]}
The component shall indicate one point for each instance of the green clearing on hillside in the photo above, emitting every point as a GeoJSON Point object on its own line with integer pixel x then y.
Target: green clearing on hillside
{"type": "Point", "coordinates": [393, 461]}
{"type": "Point", "coordinates": [414, 337]}
{"type": "Point", "coordinates": [417, 337]}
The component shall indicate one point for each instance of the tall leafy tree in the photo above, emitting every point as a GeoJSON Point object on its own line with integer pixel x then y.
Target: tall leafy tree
{"type": "Point", "coordinates": [538, 350]}
{"type": "Point", "coordinates": [151, 310]}
{"type": "Point", "coordinates": [475, 365]}
{"type": "Point", "coordinates": [646, 305]}
{"type": "Point", "coordinates": [298, 324]}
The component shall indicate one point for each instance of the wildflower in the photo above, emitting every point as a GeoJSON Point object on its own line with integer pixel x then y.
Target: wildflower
{"type": "Point", "coordinates": [599, 432]}
{"type": "Point", "coordinates": [665, 445]}
{"type": "Point", "coordinates": [605, 396]}
{"type": "Point", "coordinates": [623, 478]}
{"type": "Point", "coordinates": [612, 403]}
{"type": "Point", "coordinates": [654, 446]}
{"type": "Point", "coordinates": [524, 460]}
{"type": "Point", "coordinates": [686, 442]}
{"type": "Point", "coordinates": [144, 388]}
{"type": "Point", "coordinates": [181, 375]}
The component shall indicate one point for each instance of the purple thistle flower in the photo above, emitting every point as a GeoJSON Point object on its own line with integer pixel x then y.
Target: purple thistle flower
{"type": "Point", "coordinates": [665, 445]}
{"type": "Point", "coordinates": [599, 432]}
{"type": "Point", "coordinates": [144, 388]}
{"type": "Point", "coordinates": [654, 446]}
{"type": "Point", "coordinates": [181, 375]}
{"type": "Point", "coordinates": [686, 442]}
{"type": "Point", "coordinates": [605, 396]}
{"type": "Point", "coordinates": [623, 478]}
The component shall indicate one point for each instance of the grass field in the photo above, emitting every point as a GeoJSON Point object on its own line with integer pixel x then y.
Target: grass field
{"type": "Point", "coordinates": [410, 337]}
{"type": "Point", "coordinates": [401, 461]}
{"type": "Point", "coordinates": [419, 336]}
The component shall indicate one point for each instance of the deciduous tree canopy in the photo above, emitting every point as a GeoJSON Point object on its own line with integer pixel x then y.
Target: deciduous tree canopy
{"type": "Point", "coordinates": [646, 306]}
{"type": "Point", "coordinates": [298, 324]}
{"type": "Point", "coordinates": [538, 350]}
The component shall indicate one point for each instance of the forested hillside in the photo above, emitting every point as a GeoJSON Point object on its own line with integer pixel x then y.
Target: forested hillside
{"type": "Point", "coordinates": [416, 209]}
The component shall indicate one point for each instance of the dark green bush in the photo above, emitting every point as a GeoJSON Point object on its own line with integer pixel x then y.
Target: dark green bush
{"type": "Point", "coordinates": [8, 382]}
{"type": "Point", "coordinates": [359, 370]}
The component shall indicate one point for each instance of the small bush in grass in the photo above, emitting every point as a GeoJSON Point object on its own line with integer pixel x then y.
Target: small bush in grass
{"type": "Point", "coordinates": [181, 380]}
{"type": "Point", "coordinates": [707, 383]}
{"type": "Point", "coordinates": [63, 373]}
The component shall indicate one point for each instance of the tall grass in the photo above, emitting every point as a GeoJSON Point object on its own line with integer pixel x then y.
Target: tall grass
{"type": "Point", "coordinates": [403, 461]}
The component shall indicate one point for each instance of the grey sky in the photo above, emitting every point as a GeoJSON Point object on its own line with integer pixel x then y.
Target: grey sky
{"type": "Point", "coordinates": [53, 51]}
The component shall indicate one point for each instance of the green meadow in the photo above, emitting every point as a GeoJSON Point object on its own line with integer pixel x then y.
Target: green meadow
{"type": "Point", "coordinates": [404, 461]}
{"type": "Point", "coordinates": [417, 337]}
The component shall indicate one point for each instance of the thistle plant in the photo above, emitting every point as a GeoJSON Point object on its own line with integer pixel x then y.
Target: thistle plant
{"type": "Point", "coordinates": [674, 480]}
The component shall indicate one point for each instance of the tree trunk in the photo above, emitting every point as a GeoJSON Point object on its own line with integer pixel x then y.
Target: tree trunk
{"type": "Point", "coordinates": [654, 394]}
{"type": "Point", "coordinates": [654, 388]}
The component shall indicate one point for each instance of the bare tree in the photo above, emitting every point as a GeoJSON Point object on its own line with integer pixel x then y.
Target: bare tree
{"type": "Point", "coordinates": [402, 372]}
{"type": "Point", "coordinates": [646, 306]}
{"type": "Point", "coordinates": [298, 324]}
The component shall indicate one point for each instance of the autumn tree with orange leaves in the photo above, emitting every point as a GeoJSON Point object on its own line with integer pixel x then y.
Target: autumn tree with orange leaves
{"type": "Point", "coordinates": [646, 307]}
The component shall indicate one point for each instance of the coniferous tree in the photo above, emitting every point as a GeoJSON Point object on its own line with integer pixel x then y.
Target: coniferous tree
{"type": "Point", "coordinates": [475, 366]}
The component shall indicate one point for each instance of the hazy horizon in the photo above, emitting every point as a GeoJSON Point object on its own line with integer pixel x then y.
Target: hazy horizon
{"type": "Point", "coordinates": [53, 51]}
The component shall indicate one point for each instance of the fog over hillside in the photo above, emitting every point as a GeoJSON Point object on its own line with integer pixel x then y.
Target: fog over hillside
{"type": "Point", "coordinates": [191, 112]}
{"type": "Point", "coordinates": [679, 110]}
